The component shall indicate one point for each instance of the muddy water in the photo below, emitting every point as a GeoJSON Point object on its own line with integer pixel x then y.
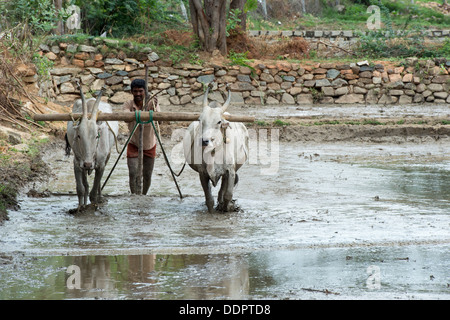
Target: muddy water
{"type": "Point", "coordinates": [320, 221]}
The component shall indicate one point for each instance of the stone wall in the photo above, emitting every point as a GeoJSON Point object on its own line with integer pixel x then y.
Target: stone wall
{"type": "Point", "coordinates": [329, 43]}
{"type": "Point", "coordinates": [271, 83]}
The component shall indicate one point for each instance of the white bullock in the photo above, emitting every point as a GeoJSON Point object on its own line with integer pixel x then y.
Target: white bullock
{"type": "Point", "coordinates": [91, 142]}
{"type": "Point", "coordinates": [216, 148]}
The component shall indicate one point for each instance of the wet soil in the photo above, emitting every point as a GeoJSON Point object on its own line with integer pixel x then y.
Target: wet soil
{"type": "Point", "coordinates": [324, 214]}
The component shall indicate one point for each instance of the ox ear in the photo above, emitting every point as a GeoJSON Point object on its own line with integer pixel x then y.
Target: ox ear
{"type": "Point", "coordinates": [95, 107]}
{"type": "Point", "coordinates": [205, 99]}
{"type": "Point", "coordinates": [227, 103]}
{"type": "Point", "coordinates": [83, 101]}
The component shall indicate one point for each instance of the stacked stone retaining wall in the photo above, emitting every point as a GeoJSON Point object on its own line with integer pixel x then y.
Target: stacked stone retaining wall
{"type": "Point", "coordinates": [271, 83]}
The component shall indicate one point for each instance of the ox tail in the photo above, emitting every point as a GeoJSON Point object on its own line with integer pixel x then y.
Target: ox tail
{"type": "Point", "coordinates": [68, 147]}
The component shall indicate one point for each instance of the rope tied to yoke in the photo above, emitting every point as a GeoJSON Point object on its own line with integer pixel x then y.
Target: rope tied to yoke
{"type": "Point", "coordinates": [138, 122]}
{"type": "Point", "coordinates": [138, 118]}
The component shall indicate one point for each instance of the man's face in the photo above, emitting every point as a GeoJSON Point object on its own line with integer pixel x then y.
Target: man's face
{"type": "Point", "coordinates": [138, 94]}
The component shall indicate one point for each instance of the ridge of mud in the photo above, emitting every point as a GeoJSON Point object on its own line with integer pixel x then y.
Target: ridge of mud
{"type": "Point", "coordinates": [365, 133]}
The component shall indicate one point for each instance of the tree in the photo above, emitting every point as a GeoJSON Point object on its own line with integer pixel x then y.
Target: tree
{"type": "Point", "coordinates": [59, 25]}
{"type": "Point", "coordinates": [209, 23]}
{"type": "Point", "coordinates": [239, 5]}
{"type": "Point", "coordinates": [242, 7]}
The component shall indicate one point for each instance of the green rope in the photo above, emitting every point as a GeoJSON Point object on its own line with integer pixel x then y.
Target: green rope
{"type": "Point", "coordinates": [138, 117]}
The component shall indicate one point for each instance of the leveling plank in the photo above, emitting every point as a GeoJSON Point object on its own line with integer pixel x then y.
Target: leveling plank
{"type": "Point", "coordinates": [130, 116]}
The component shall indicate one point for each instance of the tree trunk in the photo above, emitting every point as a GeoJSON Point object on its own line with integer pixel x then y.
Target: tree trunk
{"type": "Point", "coordinates": [183, 10]}
{"type": "Point", "coordinates": [209, 23]}
{"type": "Point", "coordinates": [264, 8]}
{"type": "Point", "coordinates": [60, 25]}
{"type": "Point", "coordinates": [239, 4]}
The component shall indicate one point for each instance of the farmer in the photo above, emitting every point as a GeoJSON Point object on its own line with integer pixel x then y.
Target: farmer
{"type": "Point", "coordinates": [149, 139]}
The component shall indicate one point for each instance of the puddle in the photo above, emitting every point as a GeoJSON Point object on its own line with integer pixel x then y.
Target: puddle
{"type": "Point", "coordinates": [412, 272]}
{"type": "Point", "coordinates": [309, 231]}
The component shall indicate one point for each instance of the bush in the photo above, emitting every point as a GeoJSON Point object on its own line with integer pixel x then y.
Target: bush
{"type": "Point", "coordinates": [388, 42]}
{"type": "Point", "coordinates": [40, 15]}
{"type": "Point", "coordinates": [124, 17]}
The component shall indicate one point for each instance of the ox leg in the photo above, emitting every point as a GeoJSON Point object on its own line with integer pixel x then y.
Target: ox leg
{"type": "Point", "coordinates": [95, 195]}
{"type": "Point", "coordinates": [228, 192]}
{"type": "Point", "coordinates": [223, 187]}
{"type": "Point", "coordinates": [206, 185]}
{"type": "Point", "coordinates": [82, 186]}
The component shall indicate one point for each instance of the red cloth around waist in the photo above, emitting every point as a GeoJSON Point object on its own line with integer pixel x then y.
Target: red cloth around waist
{"type": "Point", "coordinates": [133, 151]}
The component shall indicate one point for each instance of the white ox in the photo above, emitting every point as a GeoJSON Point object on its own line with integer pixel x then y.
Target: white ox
{"type": "Point", "coordinates": [216, 148]}
{"type": "Point", "coordinates": [91, 142]}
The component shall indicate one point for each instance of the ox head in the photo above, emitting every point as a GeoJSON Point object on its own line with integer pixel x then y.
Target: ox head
{"type": "Point", "coordinates": [212, 122]}
{"type": "Point", "coordinates": [86, 134]}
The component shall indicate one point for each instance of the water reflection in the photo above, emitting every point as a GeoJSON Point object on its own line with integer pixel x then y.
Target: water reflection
{"type": "Point", "coordinates": [427, 184]}
{"type": "Point", "coordinates": [161, 277]}
{"type": "Point", "coordinates": [423, 188]}
{"type": "Point", "coordinates": [406, 272]}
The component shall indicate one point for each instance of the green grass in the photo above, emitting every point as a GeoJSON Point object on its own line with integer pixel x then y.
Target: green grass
{"type": "Point", "coordinates": [332, 122]}
{"type": "Point", "coordinates": [261, 123]}
{"type": "Point", "coordinates": [372, 122]}
{"type": "Point", "coordinates": [280, 123]}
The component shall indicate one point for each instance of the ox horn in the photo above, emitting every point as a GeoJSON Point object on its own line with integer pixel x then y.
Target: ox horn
{"type": "Point", "coordinates": [83, 101]}
{"type": "Point", "coordinates": [96, 104]}
{"type": "Point", "coordinates": [227, 103]}
{"type": "Point", "coordinates": [205, 99]}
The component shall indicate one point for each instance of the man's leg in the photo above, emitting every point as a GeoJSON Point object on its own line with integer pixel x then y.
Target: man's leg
{"type": "Point", "coordinates": [147, 173]}
{"type": "Point", "coordinates": [133, 173]}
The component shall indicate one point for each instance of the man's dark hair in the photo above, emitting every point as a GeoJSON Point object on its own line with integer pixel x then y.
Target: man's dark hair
{"type": "Point", "coordinates": [138, 83]}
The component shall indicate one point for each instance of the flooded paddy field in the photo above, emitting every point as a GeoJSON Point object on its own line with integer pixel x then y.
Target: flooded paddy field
{"type": "Point", "coordinates": [317, 220]}
{"type": "Point", "coordinates": [335, 221]}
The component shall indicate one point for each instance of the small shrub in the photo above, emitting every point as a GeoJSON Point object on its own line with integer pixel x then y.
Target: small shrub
{"type": "Point", "coordinates": [239, 59]}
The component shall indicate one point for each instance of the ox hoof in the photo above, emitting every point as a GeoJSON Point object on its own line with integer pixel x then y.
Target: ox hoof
{"type": "Point", "coordinates": [229, 207]}
{"type": "Point", "coordinates": [84, 209]}
{"type": "Point", "coordinates": [76, 210]}
{"type": "Point", "coordinates": [210, 205]}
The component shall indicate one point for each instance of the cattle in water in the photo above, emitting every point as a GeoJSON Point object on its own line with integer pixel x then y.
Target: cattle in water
{"type": "Point", "coordinates": [216, 148]}
{"type": "Point", "coordinates": [91, 142]}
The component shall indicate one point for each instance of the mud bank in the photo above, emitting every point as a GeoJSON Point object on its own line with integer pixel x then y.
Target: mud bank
{"type": "Point", "coordinates": [364, 133]}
